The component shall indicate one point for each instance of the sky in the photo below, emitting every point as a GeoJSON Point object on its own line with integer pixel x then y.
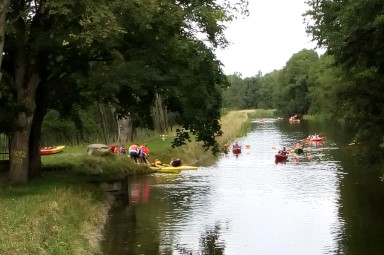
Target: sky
{"type": "Point", "coordinates": [266, 39]}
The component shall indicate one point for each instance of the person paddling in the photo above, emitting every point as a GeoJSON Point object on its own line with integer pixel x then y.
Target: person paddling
{"type": "Point", "coordinates": [175, 162]}
{"type": "Point", "coordinates": [283, 152]}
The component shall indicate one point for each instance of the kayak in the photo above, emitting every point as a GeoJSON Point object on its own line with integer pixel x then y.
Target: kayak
{"type": "Point", "coordinates": [236, 150]}
{"type": "Point", "coordinates": [317, 139]}
{"type": "Point", "coordinates": [172, 169]}
{"type": "Point", "coordinates": [51, 150]}
{"type": "Point", "coordinates": [281, 157]}
{"type": "Point", "coordinates": [294, 120]}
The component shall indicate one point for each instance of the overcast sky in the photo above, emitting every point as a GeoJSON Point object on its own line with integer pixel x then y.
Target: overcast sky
{"type": "Point", "coordinates": [267, 38]}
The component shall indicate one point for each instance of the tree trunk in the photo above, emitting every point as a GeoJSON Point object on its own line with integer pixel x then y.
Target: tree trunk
{"type": "Point", "coordinates": [26, 83]}
{"type": "Point", "coordinates": [34, 146]}
{"type": "Point", "coordinates": [159, 113]}
{"type": "Point", "coordinates": [19, 154]}
{"type": "Point", "coordinates": [126, 129]}
{"type": "Point", "coordinates": [4, 5]}
{"type": "Point", "coordinates": [103, 121]}
{"type": "Point", "coordinates": [19, 157]}
{"type": "Point", "coordinates": [35, 135]}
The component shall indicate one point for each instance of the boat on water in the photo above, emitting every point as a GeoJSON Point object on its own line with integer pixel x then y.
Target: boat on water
{"type": "Point", "coordinates": [294, 119]}
{"type": "Point", "coordinates": [315, 139]}
{"type": "Point", "coordinates": [236, 150]}
{"type": "Point", "coordinates": [171, 169]}
{"type": "Point", "coordinates": [51, 150]}
{"type": "Point", "coordinates": [281, 157]}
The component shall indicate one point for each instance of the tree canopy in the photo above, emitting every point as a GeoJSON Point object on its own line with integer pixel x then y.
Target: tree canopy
{"type": "Point", "coordinates": [120, 52]}
{"type": "Point", "coordinates": [352, 32]}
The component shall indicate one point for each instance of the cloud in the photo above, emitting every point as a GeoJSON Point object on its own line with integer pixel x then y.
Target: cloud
{"type": "Point", "coordinates": [266, 39]}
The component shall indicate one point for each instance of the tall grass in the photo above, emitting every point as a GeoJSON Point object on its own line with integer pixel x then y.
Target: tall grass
{"type": "Point", "coordinates": [51, 217]}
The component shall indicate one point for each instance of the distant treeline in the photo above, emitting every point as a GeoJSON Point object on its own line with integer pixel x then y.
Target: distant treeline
{"type": "Point", "coordinates": [310, 84]}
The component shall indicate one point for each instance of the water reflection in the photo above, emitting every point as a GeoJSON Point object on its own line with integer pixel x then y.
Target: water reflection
{"type": "Point", "coordinates": [209, 242]}
{"type": "Point", "coordinates": [139, 193]}
{"type": "Point", "coordinates": [249, 204]}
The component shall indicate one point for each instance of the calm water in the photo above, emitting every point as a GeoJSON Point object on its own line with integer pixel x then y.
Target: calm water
{"type": "Point", "coordinates": [249, 204]}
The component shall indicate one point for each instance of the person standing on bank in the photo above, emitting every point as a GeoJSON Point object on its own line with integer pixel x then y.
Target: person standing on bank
{"type": "Point", "coordinates": [134, 152]}
{"type": "Point", "coordinates": [144, 154]}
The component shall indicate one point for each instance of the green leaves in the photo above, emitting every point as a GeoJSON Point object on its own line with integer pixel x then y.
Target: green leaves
{"type": "Point", "coordinates": [352, 31]}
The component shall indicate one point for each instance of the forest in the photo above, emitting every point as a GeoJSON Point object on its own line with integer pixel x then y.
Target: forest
{"type": "Point", "coordinates": [76, 71]}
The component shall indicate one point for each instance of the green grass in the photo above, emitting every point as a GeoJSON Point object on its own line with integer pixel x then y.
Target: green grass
{"type": "Point", "coordinates": [57, 214]}
{"type": "Point", "coordinates": [64, 211]}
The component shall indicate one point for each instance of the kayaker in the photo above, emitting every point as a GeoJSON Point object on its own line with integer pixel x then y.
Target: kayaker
{"type": "Point", "coordinates": [236, 146]}
{"type": "Point", "coordinates": [175, 162]}
{"type": "Point", "coordinates": [283, 152]}
{"type": "Point", "coordinates": [134, 152]}
{"type": "Point", "coordinates": [112, 149]}
{"type": "Point", "coordinates": [226, 148]}
{"type": "Point", "coordinates": [144, 154]}
{"type": "Point", "coordinates": [157, 163]}
{"type": "Point", "coordinates": [123, 150]}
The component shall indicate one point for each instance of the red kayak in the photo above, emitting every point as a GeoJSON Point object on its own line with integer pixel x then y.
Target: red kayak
{"type": "Point", "coordinates": [316, 139]}
{"type": "Point", "coordinates": [281, 157]}
{"type": "Point", "coordinates": [236, 150]}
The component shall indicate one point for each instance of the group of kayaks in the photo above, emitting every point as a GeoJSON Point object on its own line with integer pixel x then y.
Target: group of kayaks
{"type": "Point", "coordinates": [298, 148]}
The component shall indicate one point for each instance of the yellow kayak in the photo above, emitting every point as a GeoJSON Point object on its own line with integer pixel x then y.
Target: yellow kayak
{"type": "Point", "coordinates": [172, 169]}
{"type": "Point", "coordinates": [51, 150]}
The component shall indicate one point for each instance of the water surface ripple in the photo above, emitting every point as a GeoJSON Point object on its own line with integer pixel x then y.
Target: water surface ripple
{"type": "Point", "coordinates": [243, 205]}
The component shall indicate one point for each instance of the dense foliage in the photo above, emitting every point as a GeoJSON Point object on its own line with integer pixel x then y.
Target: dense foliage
{"type": "Point", "coordinates": [124, 54]}
{"type": "Point", "coordinates": [352, 32]}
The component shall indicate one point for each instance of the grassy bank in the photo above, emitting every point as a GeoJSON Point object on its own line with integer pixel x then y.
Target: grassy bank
{"type": "Point", "coordinates": [64, 211]}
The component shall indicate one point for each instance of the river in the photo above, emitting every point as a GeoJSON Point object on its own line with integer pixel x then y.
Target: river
{"type": "Point", "coordinates": [249, 204]}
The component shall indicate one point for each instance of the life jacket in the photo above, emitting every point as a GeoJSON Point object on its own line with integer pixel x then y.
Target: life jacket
{"type": "Point", "coordinates": [133, 148]}
{"type": "Point", "coordinates": [144, 150]}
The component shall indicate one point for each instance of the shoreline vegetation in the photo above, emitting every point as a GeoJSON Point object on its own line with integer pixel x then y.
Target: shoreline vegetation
{"type": "Point", "coordinates": [64, 212]}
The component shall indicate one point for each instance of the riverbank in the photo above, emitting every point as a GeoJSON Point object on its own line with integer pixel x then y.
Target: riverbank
{"type": "Point", "coordinates": [65, 211]}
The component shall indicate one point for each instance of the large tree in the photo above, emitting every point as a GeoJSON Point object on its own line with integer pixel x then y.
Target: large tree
{"type": "Point", "coordinates": [352, 31]}
{"type": "Point", "coordinates": [46, 42]}
{"type": "Point", "coordinates": [292, 93]}
{"type": "Point", "coordinates": [157, 47]}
